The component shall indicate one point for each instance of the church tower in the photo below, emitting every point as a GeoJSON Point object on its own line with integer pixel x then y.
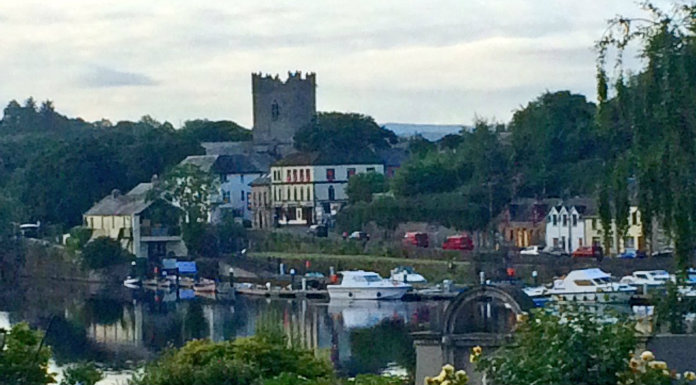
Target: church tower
{"type": "Point", "coordinates": [281, 108]}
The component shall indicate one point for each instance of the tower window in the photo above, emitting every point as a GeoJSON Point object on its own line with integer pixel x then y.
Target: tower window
{"type": "Point", "coordinates": [275, 111]}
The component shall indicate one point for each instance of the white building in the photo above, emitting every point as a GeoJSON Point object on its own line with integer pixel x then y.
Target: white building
{"type": "Point", "coordinates": [235, 172]}
{"type": "Point", "coordinates": [309, 188]}
{"type": "Point", "coordinates": [565, 224]}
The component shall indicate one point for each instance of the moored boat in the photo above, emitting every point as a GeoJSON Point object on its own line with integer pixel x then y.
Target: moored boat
{"type": "Point", "coordinates": [586, 285]}
{"type": "Point", "coordinates": [406, 274]}
{"type": "Point", "coordinates": [361, 284]}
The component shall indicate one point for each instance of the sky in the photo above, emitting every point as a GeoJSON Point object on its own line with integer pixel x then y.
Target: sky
{"type": "Point", "coordinates": [408, 61]}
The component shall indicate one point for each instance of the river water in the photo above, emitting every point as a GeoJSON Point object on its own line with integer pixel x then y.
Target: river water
{"type": "Point", "coordinates": [120, 328]}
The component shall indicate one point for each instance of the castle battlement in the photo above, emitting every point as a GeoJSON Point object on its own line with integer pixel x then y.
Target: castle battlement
{"type": "Point", "coordinates": [260, 79]}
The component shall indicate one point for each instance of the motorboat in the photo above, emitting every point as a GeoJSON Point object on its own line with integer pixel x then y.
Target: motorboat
{"type": "Point", "coordinates": [647, 277]}
{"type": "Point", "coordinates": [586, 285]}
{"type": "Point", "coordinates": [359, 284]}
{"type": "Point", "coordinates": [406, 274]}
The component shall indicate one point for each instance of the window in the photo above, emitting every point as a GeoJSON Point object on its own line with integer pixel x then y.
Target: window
{"type": "Point", "coordinates": [288, 176]}
{"type": "Point", "coordinates": [548, 219]}
{"type": "Point", "coordinates": [223, 178]}
{"type": "Point", "coordinates": [265, 198]}
{"type": "Point", "coordinates": [242, 196]}
{"type": "Point", "coordinates": [583, 282]}
{"type": "Point", "coordinates": [350, 172]}
{"type": "Point", "coordinates": [309, 194]}
{"type": "Point", "coordinates": [275, 111]}
{"type": "Point", "coordinates": [555, 219]}
{"type": "Point", "coordinates": [248, 201]}
{"type": "Point", "coordinates": [226, 196]}
{"type": "Point", "coordinates": [370, 169]}
{"type": "Point", "coordinates": [241, 178]}
{"type": "Point", "coordinates": [297, 196]}
{"type": "Point", "coordinates": [291, 214]}
{"type": "Point", "coordinates": [330, 174]}
{"type": "Point", "coordinates": [555, 242]}
{"type": "Point", "coordinates": [579, 242]}
{"type": "Point", "coordinates": [332, 193]}
{"type": "Point", "coordinates": [309, 179]}
{"type": "Point", "coordinates": [634, 218]}
{"type": "Point", "coordinates": [575, 220]}
{"type": "Point", "coordinates": [301, 175]}
{"type": "Point", "coordinates": [565, 220]}
{"type": "Point", "coordinates": [301, 194]}
{"type": "Point", "coordinates": [294, 175]}
{"type": "Point", "coordinates": [594, 223]}
{"type": "Point", "coordinates": [512, 235]}
{"type": "Point", "coordinates": [275, 195]}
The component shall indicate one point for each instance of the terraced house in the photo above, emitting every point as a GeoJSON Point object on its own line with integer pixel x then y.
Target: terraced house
{"type": "Point", "coordinates": [309, 188]}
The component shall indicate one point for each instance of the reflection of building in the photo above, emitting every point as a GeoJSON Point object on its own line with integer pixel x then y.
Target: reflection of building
{"type": "Point", "coordinates": [308, 188]}
{"type": "Point", "coordinates": [126, 331]}
{"type": "Point", "coordinates": [148, 228]}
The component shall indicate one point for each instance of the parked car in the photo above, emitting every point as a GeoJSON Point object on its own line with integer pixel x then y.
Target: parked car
{"type": "Point", "coordinates": [359, 236]}
{"type": "Point", "coordinates": [556, 252]}
{"type": "Point", "coordinates": [458, 242]}
{"type": "Point", "coordinates": [417, 239]}
{"type": "Point", "coordinates": [318, 231]}
{"type": "Point", "coordinates": [531, 250]}
{"type": "Point", "coordinates": [632, 253]}
{"type": "Point", "coordinates": [663, 252]}
{"type": "Point", "coordinates": [586, 252]}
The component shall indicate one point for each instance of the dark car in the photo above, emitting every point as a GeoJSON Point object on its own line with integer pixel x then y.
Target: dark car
{"type": "Point", "coordinates": [318, 231]}
{"type": "Point", "coordinates": [359, 236]}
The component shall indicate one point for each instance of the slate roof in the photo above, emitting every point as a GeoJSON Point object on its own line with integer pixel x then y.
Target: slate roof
{"type": "Point", "coordinates": [263, 180]}
{"type": "Point", "coordinates": [232, 164]}
{"type": "Point", "coordinates": [362, 156]}
{"type": "Point", "coordinates": [118, 204]}
{"type": "Point", "coordinates": [530, 209]}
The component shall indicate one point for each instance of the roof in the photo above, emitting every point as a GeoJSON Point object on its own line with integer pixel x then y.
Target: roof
{"type": "Point", "coordinates": [587, 274]}
{"type": "Point", "coordinates": [362, 156]}
{"type": "Point", "coordinates": [585, 206]}
{"type": "Point", "coordinates": [118, 204]}
{"type": "Point", "coordinates": [263, 180]}
{"type": "Point", "coordinates": [232, 163]}
{"type": "Point", "coordinates": [530, 209]}
{"type": "Point", "coordinates": [226, 148]}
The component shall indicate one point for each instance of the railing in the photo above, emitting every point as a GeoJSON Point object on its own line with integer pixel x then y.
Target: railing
{"type": "Point", "coordinates": [160, 231]}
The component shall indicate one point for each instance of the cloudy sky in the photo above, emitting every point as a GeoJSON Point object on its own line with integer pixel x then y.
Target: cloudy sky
{"type": "Point", "coordinates": [424, 61]}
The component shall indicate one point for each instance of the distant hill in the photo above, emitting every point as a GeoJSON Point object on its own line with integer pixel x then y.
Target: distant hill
{"type": "Point", "coordinates": [428, 131]}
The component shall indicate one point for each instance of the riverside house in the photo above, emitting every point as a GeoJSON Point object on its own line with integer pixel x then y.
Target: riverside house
{"type": "Point", "coordinates": [147, 228]}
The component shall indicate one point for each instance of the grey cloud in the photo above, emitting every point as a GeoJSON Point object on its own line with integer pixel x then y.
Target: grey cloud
{"type": "Point", "coordinates": [100, 77]}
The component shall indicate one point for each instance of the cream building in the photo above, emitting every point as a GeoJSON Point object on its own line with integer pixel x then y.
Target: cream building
{"type": "Point", "coordinates": [309, 188]}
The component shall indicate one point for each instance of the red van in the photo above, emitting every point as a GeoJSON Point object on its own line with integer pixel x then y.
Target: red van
{"type": "Point", "coordinates": [458, 242]}
{"type": "Point", "coordinates": [416, 239]}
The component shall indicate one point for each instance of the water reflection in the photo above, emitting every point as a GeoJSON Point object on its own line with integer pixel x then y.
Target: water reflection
{"type": "Point", "coordinates": [120, 328]}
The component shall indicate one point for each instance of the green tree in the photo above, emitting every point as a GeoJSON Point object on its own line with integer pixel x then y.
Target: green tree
{"type": "Point", "coordinates": [656, 107]}
{"type": "Point", "coordinates": [568, 348]}
{"type": "Point", "coordinates": [82, 374]}
{"type": "Point", "coordinates": [104, 252]}
{"type": "Point", "coordinates": [362, 186]}
{"type": "Point", "coordinates": [23, 360]}
{"type": "Point", "coordinates": [202, 130]}
{"type": "Point", "coordinates": [343, 132]}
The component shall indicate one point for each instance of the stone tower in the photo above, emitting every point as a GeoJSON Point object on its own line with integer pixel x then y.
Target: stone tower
{"type": "Point", "coordinates": [281, 108]}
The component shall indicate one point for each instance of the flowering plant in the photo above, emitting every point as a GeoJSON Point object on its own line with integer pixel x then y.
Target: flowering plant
{"type": "Point", "coordinates": [448, 376]}
{"type": "Point", "coordinates": [645, 370]}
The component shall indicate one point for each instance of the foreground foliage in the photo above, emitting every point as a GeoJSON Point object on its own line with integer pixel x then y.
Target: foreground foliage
{"type": "Point", "coordinates": [21, 360]}
{"type": "Point", "coordinates": [575, 347]}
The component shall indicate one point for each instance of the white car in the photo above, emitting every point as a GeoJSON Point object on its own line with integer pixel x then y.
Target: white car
{"type": "Point", "coordinates": [531, 250]}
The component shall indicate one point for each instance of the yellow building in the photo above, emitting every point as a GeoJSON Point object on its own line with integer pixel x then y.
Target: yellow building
{"type": "Point", "coordinates": [632, 239]}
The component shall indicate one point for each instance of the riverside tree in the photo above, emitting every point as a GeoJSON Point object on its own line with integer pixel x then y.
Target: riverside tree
{"type": "Point", "coordinates": [656, 110]}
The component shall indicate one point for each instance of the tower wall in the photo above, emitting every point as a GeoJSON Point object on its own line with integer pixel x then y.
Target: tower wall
{"type": "Point", "coordinates": [282, 107]}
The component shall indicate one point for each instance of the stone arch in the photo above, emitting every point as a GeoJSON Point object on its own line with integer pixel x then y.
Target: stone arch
{"type": "Point", "coordinates": [510, 297]}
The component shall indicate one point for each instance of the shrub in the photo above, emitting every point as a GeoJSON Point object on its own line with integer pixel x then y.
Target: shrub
{"type": "Point", "coordinates": [104, 252]}
{"type": "Point", "coordinates": [82, 374]}
{"type": "Point", "coordinates": [21, 361]}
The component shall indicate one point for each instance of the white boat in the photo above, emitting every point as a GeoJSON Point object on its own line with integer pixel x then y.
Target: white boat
{"type": "Point", "coordinates": [361, 284]}
{"type": "Point", "coordinates": [132, 283]}
{"type": "Point", "coordinates": [406, 274]}
{"type": "Point", "coordinates": [586, 285]}
{"type": "Point", "coordinates": [647, 277]}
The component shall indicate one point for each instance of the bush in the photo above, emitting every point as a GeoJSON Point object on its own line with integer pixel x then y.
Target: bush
{"type": "Point", "coordinates": [21, 361]}
{"type": "Point", "coordinates": [82, 374]}
{"type": "Point", "coordinates": [79, 236]}
{"type": "Point", "coordinates": [104, 252]}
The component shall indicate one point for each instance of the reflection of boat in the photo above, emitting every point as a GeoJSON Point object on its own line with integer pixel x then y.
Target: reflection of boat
{"type": "Point", "coordinates": [368, 313]}
{"type": "Point", "coordinates": [132, 283]}
{"type": "Point", "coordinates": [361, 284]}
{"type": "Point", "coordinates": [587, 285]}
{"type": "Point", "coordinates": [406, 274]}
{"type": "Point", "coordinates": [204, 286]}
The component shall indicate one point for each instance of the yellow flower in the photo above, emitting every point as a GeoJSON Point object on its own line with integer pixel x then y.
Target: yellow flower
{"type": "Point", "coordinates": [473, 358]}
{"type": "Point", "coordinates": [522, 317]}
{"type": "Point", "coordinates": [440, 377]}
{"type": "Point", "coordinates": [428, 381]}
{"type": "Point", "coordinates": [647, 356]}
{"type": "Point", "coordinates": [477, 350]}
{"type": "Point", "coordinates": [659, 365]}
{"type": "Point", "coordinates": [633, 363]}
{"type": "Point", "coordinates": [448, 369]}
{"type": "Point", "coordinates": [461, 377]}
{"type": "Point", "coordinates": [689, 375]}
